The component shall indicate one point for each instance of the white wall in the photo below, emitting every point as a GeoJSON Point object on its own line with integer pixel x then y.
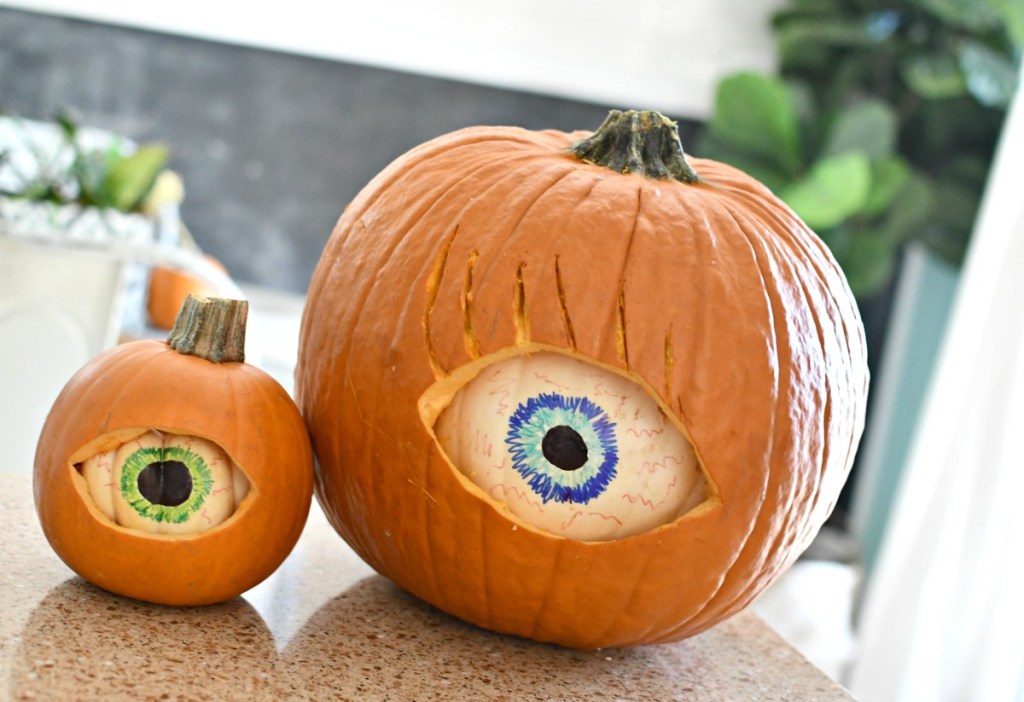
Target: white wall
{"type": "Point", "coordinates": [645, 54]}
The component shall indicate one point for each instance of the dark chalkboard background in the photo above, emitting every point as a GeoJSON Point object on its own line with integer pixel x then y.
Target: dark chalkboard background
{"type": "Point", "coordinates": [271, 145]}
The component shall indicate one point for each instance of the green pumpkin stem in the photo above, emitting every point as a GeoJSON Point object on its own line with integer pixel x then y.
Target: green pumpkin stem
{"type": "Point", "coordinates": [642, 142]}
{"type": "Point", "coordinates": [212, 328]}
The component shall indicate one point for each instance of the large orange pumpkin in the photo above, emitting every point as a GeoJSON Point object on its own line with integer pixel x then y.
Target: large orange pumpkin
{"type": "Point", "coordinates": [173, 472]}
{"type": "Point", "coordinates": [609, 257]}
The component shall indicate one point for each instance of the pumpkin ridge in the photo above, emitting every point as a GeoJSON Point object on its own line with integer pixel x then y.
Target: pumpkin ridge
{"type": "Point", "coordinates": [404, 166]}
{"type": "Point", "coordinates": [520, 313]}
{"type": "Point", "coordinates": [620, 332]}
{"type": "Point", "coordinates": [613, 622]}
{"type": "Point", "coordinates": [669, 362]}
{"type": "Point", "coordinates": [433, 287]}
{"type": "Point", "coordinates": [334, 271]}
{"type": "Point", "coordinates": [561, 169]}
{"type": "Point", "coordinates": [563, 307]}
{"type": "Point", "coordinates": [561, 291]}
{"type": "Point", "coordinates": [706, 611]}
{"type": "Point", "coordinates": [813, 250]}
{"type": "Point", "coordinates": [785, 384]}
{"type": "Point", "coordinates": [509, 234]}
{"type": "Point", "coordinates": [431, 561]}
{"type": "Point", "coordinates": [826, 385]}
{"type": "Point", "coordinates": [541, 609]}
{"type": "Point", "coordinates": [469, 339]}
{"type": "Point", "coordinates": [150, 356]}
{"type": "Point", "coordinates": [801, 485]}
{"type": "Point", "coordinates": [399, 168]}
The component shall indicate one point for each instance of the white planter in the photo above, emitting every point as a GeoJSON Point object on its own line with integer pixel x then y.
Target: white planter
{"type": "Point", "coordinates": [63, 299]}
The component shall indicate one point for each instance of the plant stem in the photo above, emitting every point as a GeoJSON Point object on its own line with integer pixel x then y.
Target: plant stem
{"type": "Point", "coordinates": [212, 328]}
{"type": "Point", "coordinates": [645, 143]}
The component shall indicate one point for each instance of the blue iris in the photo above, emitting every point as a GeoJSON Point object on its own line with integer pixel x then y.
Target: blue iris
{"type": "Point", "coordinates": [534, 419]}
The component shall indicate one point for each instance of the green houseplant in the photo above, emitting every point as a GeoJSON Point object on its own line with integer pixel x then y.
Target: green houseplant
{"type": "Point", "coordinates": [880, 124]}
{"type": "Point", "coordinates": [111, 177]}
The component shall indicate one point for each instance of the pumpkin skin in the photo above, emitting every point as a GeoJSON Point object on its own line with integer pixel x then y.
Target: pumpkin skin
{"type": "Point", "coordinates": [713, 296]}
{"type": "Point", "coordinates": [168, 288]}
{"type": "Point", "coordinates": [147, 384]}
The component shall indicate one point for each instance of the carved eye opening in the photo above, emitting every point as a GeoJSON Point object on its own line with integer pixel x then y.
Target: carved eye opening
{"type": "Point", "coordinates": [570, 447]}
{"type": "Point", "coordinates": [162, 483]}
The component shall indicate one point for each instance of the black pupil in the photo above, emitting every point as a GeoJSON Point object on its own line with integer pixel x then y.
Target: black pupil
{"type": "Point", "coordinates": [564, 448]}
{"type": "Point", "coordinates": [167, 483]}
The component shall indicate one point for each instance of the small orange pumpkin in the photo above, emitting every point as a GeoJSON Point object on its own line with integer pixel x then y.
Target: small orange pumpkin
{"type": "Point", "coordinates": [168, 289]}
{"type": "Point", "coordinates": [504, 329]}
{"type": "Point", "coordinates": [173, 472]}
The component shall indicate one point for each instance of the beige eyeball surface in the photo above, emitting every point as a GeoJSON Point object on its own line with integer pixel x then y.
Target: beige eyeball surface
{"type": "Point", "coordinates": [161, 483]}
{"type": "Point", "coordinates": [571, 448]}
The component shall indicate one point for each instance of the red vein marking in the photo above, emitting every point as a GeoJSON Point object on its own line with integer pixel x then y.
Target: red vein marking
{"type": "Point", "coordinates": [501, 466]}
{"type": "Point", "coordinates": [502, 390]}
{"type": "Point", "coordinates": [599, 390]}
{"type": "Point", "coordinates": [566, 525]}
{"type": "Point", "coordinates": [671, 485]}
{"type": "Point", "coordinates": [547, 379]}
{"type": "Point", "coordinates": [606, 517]}
{"type": "Point", "coordinates": [206, 517]}
{"type": "Point", "coordinates": [218, 491]}
{"type": "Point", "coordinates": [647, 433]}
{"type": "Point", "coordinates": [633, 499]}
{"type": "Point", "coordinates": [653, 466]}
{"type": "Point", "coordinates": [481, 444]}
{"type": "Point", "coordinates": [517, 493]}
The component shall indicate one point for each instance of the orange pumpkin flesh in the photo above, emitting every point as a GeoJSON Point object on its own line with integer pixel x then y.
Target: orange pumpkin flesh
{"type": "Point", "coordinates": [168, 289]}
{"type": "Point", "coordinates": [147, 385]}
{"type": "Point", "coordinates": [703, 289]}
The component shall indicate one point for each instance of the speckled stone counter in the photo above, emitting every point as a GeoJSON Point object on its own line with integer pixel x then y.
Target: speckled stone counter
{"type": "Point", "coordinates": [325, 627]}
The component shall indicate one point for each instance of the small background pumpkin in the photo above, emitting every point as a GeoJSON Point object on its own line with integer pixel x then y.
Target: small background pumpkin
{"type": "Point", "coordinates": [169, 287]}
{"type": "Point", "coordinates": [694, 282]}
{"type": "Point", "coordinates": [194, 385]}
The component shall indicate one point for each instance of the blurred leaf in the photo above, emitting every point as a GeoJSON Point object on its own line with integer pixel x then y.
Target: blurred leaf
{"type": "Point", "coordinates": [756, 113]}
{"type": "Point", "coordinates": [834, 189]}
{"type": "Point", "coordinates": [868, 126]}
{"type": "Point", "coordinates": [882, 24]}
{"type": "Point", "coordinates": [968, 14]}
{"type": "Point", "coordinates": [944, 128]}
{"type": "Point", "coordinates": [971, 170]}
{"type": "Point", "coordinates": [910, 209]}
{"type": "Point", "coordinates": [991, 76]}
{"type": "Point", "coordinates": [67, 125]}
{"type": "Point", "coordinates": [934, 76]}
{"type": "Point", "coordinates": [947, 241]}
{"type": "Point", "coordinates": [801, 7]}
{"type": "Point", "coordinates": [130, 178]}
{"type": "Point", "coordinates": [803, 101]}
{"type": "Point", "coordinates": [956, 202]}
{"type": "Point", "coordinates": [866, 257]}
{"type": "Point", "coordinates": [709, 146]}
{"type": "Point", "coordinates": [90, 170]}
{"type": "Point", "coordinates": [888, 178]}
{"type": "Point", "coordinates": [808, 40]}
{"type": "Point", "coordinates": [1012, 13]}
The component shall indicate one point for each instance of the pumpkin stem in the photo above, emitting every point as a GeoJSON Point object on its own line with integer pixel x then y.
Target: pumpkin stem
{"type": "Point", "coordinates": [212, 328]}
{"type": "Point", "coordinates": [642, 142]}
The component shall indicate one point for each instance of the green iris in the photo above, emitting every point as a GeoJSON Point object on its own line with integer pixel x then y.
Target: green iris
{"type": "Point", "coordinates": [165, 484]}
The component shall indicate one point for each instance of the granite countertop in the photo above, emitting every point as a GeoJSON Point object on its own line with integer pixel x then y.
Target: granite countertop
{"type": "Point", "coordinates": [324, 626]}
